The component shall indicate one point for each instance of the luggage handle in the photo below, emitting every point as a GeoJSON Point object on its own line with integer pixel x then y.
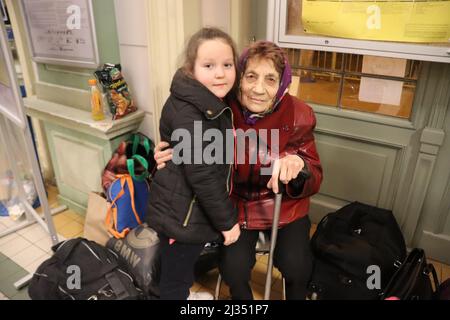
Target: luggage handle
{"type": "Point", "coordinates": [130, 166]}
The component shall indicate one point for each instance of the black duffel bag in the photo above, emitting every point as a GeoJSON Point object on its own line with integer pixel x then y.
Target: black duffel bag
{"type": "Point", "coordinates": [349, 241]}
{"type": "Point", "coordinates": [82, 270]}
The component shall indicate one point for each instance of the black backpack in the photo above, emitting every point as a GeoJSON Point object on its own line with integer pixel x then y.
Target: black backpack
{"type": "Point", "coordinates": [82, 270]}
{"type": "Point", "coordinates": [346, 243]}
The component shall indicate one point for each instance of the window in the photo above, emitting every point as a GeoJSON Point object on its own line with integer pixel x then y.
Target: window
{"type": "Point", "coordinates": [356, 82]}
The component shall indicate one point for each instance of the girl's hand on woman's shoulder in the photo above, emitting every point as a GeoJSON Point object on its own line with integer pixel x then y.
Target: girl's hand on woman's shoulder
{"type": "Point", "coordinates": [161, 155]}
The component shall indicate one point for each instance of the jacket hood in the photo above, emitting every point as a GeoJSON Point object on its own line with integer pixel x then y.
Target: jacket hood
{"type": "Point", "coordinates": [193, 92]}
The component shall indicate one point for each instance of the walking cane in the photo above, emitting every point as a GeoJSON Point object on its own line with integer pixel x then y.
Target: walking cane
{"type": "Point", "coordinates": [273, 239]}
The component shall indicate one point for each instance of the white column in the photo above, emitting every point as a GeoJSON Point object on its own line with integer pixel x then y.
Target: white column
{"type": "Point", "coordinates": [166, 44]}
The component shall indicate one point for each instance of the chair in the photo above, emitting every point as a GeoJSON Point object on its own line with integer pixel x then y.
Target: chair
{"type": "Point", "coordinates": [262, 248]}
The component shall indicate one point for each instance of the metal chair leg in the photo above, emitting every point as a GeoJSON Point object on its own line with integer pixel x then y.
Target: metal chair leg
{"type": "Point", "coordinates": [218, 285]}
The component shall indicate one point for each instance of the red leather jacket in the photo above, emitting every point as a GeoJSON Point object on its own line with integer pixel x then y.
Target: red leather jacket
{"type": "Point", "coordinates": [255, 202]}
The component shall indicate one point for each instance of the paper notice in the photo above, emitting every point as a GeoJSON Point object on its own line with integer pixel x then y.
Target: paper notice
{"type": "Point", "coordinates": [379, 90]}
{"type": "Point", "coordinates": [392, 20]}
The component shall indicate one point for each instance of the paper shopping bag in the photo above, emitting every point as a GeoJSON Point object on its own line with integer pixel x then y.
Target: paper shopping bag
{"type": "Point", "coordinates": [94, 226]}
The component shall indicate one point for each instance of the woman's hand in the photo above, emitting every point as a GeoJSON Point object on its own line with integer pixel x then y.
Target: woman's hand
{"type": "Point", "coordinates": [285, 170]}
{"type": "Point", "coordinates": [162, 157]}
{"type": "Point", "coordinates": [232, 235]}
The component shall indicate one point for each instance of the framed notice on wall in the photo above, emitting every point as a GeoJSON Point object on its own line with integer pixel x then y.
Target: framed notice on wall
{"type": "Point", "coordinates": [407, 29]}
{"type": "Point", "coordinates": [3, 12]}
{"type": "Point", "coordinates": [61, 32]}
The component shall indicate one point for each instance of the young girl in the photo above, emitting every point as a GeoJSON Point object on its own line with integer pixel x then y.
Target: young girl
{"type": "Point", "coordinates": [189, 203]}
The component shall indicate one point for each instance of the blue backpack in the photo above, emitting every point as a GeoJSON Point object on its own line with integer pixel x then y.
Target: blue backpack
{"type": "Point", "coordinates": [128, 198]}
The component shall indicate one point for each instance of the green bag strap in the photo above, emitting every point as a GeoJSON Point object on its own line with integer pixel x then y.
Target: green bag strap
{"type": "Point", "coordinates": [136, 140]}
{"type": "Point", "coordinates": [130, 166]}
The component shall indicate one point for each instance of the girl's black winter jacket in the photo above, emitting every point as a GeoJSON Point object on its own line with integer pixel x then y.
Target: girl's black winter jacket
{"type": "Point", "coordinates": [190, 202]}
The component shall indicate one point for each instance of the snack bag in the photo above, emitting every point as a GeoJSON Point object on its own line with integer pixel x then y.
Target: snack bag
{"type": "Point", "coordinates": [116, 89]}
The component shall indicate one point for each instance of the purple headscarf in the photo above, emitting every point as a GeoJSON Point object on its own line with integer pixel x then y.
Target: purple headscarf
{"type": "Point", "coordinates": [285, 81]}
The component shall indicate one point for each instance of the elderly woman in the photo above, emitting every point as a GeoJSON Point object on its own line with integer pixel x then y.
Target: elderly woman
{"type": "Point", "coordinates": [263, 103]}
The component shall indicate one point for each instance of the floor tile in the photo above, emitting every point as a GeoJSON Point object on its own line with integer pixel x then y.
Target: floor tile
{"type": "Point", "coordinates": [9, 222]}
{"type": "Point", "coordinates": [27, 256]}
{"type": "Point", "coordinates": [71, 229]}
{"type": "Point", "coordinates": [445, 272]}
{"type": "Point", "coordinates": [224, 293]}
{"type": "Point", "coordinates": [204, 289]}
{"type": "Point", "coordinates": [277, 285]}
{"type": "Point", "coordinates": [437, 267]}
{"type": "Point", "coordinates": [259, 273]}
{"type": "Point", "coordinates": [13, 247]}
{"type": "Point", "coordinates": [73, 215]}
{"type": "Point", "coordinates": [7, 239]}
{"type": "Point", "coordinates": [258, 291]}
{"type": "Point", "coordinates": [45, 244]}
{"type": "Point", "coordinates": [31, 268]}
{"type": "Point", "coordinates": [60, 220]}
{"type": "Point", "coordinates": [34, 233]}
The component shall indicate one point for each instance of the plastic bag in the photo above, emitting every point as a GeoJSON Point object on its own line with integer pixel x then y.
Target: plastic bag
{"type": "Point", "coordinates": [9, 196]}
{"type": "Point", "coordinates": [116, 89]}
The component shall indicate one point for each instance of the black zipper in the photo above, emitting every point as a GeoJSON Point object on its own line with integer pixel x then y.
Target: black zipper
{"type": "Point", "coordinates": [188, 215]}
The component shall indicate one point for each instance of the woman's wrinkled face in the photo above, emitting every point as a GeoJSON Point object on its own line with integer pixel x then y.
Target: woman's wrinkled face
{"type": "Point", "coordinates": [259, 85]}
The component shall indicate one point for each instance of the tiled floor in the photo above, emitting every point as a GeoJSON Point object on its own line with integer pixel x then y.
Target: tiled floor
{"type": "Point", "coordinates": [22, 252]}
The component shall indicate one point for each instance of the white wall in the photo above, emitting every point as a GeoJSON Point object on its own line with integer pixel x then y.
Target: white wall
{"type": "Point", "coordinates": [216, 13]}
{"type": "Point", "coordinates": [152, 35]}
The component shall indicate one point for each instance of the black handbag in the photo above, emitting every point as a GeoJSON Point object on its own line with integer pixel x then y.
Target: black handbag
{"type": "Point", "coordinates": [412, 280]}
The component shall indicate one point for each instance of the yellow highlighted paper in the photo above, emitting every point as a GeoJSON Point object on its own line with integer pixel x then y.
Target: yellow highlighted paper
{"type": "Point", "coordinates": [406, 21]}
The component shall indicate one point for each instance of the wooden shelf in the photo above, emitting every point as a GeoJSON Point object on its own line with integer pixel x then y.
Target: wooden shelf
{"type": "Point", "coordinates": [81, 120]}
